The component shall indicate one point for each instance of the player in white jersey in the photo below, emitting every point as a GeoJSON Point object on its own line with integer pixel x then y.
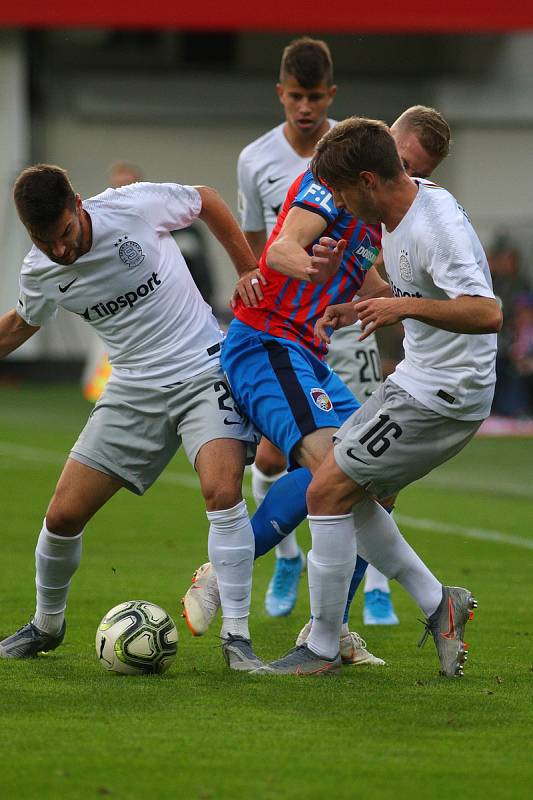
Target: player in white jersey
{"type": "Point", "coordinates": [424, 413]}
{"type": "Point", "coordinates": [112, 260]}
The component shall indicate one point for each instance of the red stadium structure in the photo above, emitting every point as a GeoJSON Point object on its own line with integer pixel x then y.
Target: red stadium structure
{"type": "Point", "coordinates": [417, 16]}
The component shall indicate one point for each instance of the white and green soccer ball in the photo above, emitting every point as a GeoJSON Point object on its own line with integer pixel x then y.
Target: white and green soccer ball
{"type": "Point", "coordinates": [136, 638]}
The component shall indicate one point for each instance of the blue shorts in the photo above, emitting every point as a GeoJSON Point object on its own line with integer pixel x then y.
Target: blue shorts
{"type": "Point", "coordinates": [284, 389]}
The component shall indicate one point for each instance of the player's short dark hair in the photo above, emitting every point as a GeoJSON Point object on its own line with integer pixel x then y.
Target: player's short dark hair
{"type": "Point", "coordinates": [355, 145]}
{"type": "Point", "coordinates": [41, 194]}
{"type": "Point", "coordinates": [430, 127]}
{"type": "Point", "coordinates": [308, 61]}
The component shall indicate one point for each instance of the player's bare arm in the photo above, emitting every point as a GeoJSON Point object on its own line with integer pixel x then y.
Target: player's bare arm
{"type": "Point", "coordinates": [217, 216]}
{"type": "Point", "coordinates": [288, 253]}
{"type": "Point", "coordinates": [374, 285]}
{"type": "Point", "coordinates": [14, 331]}
{"type": "Point", "coordinates": [248, 287]}
{"type": "Point", "coordinates": [464, 314]}
{"type": "Point", "coordinates": [257, 241]}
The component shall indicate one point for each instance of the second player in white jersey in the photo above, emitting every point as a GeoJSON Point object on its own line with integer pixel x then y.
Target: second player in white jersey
{"type": "Point", "coordinates": [435, 253]}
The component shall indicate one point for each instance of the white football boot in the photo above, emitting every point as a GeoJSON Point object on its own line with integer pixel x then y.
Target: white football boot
{"type": "Point", "coordinates": [352, 648]}
{"type": "Point", "coordinates": [202, 600]}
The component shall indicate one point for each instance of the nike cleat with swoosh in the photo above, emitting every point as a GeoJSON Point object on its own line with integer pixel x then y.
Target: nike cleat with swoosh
{"type": "Point", "coordinates": [447, 626]}
{"type": "Point", "coordinates": [302, 661]}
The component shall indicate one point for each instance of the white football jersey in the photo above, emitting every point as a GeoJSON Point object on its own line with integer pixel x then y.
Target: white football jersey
{"type": "Point", "coordinates": [435, 253]}
{"type": "Point", "coordinates": [133, 286]}
{"type": "Point", "coordinates": [265, 170]}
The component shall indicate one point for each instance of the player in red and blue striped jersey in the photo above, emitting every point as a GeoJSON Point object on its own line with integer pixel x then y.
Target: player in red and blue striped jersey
{"type": "Point", "coordinates": [275, 364]}
{"type": "Point", "coordinates": [290, 307]}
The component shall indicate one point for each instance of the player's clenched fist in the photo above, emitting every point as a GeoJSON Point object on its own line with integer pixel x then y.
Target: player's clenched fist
{"type": "Point", "coordinates": [327, 256]}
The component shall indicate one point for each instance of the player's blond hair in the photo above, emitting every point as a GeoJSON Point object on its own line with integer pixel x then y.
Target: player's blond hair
{"type": "Point", "coordinates": [430, 127]}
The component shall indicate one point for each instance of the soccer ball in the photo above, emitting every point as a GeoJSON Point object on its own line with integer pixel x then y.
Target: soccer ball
{"type": "Point", "coordinates": [136, 638]}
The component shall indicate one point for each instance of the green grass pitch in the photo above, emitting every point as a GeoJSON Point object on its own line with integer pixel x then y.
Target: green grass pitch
{"type": "Point", "coordinates": [71, 730]}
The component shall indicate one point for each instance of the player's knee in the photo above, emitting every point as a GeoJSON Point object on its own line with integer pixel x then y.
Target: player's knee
{"type": "Point", "coordinates": [221, 497]}
{"type": "Point", "coordinates": [317, 497]}
{"type": "Point", "coordinates": [63, 523]}
{"type": "Point", "coordinates": [63, 520]}
{"type": "Point", "coordinates": [270, 460]}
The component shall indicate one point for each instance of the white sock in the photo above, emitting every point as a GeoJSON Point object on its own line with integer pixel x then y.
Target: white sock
{"type": "Point", "coordinates": [261, 483]}
{"type": "Point", "coordinates": [380, 542]}
{"type": "Point", "coordinates": [56, 560]}
{"type": "Point", "coordinates": [375, 580]}
{"type": "Point", "coordinates": [231, 550]}
{"type": "Point", "coordinates": [331, 563]}
{"type": "Point", "coordinates": [288, 547]}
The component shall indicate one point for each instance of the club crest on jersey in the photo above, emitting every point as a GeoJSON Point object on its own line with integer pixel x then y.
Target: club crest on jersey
{"type": "Point", "coordinates": [130, 252]}
{"type": "Point", "coordinates": [321, 399]}
{"type": "Point", "coordinates": [406, 271]}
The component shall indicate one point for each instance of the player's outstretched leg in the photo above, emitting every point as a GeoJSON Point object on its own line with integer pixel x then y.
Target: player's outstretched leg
{"type": "Point", "coordinates": [447, 608]}
{"type": "Point", "coordinates": [282, 591]}
{"type": "Point", "coordinates": [56, 559]}
{"type": "Point", "coordinates": [378, 608]}
{"type": "Point", "coordinates": [80, 492]}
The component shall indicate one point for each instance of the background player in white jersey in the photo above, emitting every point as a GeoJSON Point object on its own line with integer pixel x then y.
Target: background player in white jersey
{"type": "Point", "coordinates": [423, 414]}
{"type": "Point", "coordinates": [112, 260]}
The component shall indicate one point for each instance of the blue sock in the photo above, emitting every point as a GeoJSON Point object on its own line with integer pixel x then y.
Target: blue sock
{"type": "Point", "coordinates": [281, 511]}
{"type": "Point", "coordinates": [357, 577]}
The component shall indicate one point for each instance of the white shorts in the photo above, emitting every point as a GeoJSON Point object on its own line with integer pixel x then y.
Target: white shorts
{"type": "Point", "coordinates": [134, 430]}
{"type": "Point", "coordinates": [393, 440]}
{"type": "Point", "coordinates": [356, 363]}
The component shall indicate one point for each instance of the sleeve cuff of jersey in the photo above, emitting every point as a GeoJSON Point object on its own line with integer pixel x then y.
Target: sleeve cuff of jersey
{"type": "Point", "coordinates": [27, 320]}
{"type": "Point", "coordinates": [198, 198]}
{"type": "Point", "coordinates": [314, 210]}
{"type": "Point", "coordinates": [471, 291]}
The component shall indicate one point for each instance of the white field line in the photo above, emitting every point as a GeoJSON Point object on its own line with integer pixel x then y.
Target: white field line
{"type": "Point", "coordinates": [459, 530]}
{"type": "Point", "coordinates": [38, 455]}
{"type": "Point", "coordinates": [465, 484]}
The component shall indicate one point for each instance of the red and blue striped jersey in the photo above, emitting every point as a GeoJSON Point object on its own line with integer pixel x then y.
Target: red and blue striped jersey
{"type": "Point", "coordinates": [291, 307]}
